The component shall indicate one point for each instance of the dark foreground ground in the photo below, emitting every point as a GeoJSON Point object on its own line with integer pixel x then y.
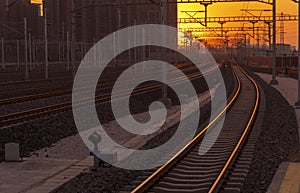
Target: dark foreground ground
{"type": "Point", "coordinates": [278, 137]}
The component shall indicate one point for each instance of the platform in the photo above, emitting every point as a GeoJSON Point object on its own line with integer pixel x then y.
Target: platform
{"type": "Point", "coordinates": [49, 168]}
{"type": "Point", "coordinates": [38, 176]}
{"type": "Point", "coordinates": [291, 181]}
{"type": "Point", "coordinates": [287, 177]}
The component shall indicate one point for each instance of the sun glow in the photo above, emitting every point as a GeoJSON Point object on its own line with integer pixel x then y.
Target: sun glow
{"type": "Point", "coordinates": [234, 9]}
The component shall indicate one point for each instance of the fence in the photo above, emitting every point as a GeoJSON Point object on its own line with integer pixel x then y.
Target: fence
{"type": "Point", "coordinates": [13, 52]}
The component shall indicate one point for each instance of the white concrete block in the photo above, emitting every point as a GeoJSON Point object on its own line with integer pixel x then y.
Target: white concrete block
{"type": "Point", "coordinates": [12, 152]}
{"type": "Point", "coordinates": [112, 157]}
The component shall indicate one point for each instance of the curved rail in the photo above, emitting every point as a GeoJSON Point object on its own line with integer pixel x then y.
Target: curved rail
{"type": "Point", "coordinates": [145, 185]}
{"type": "Point", "coordinates": [154, 178]}
{"type": "Point", "coordinates": [241, 141]}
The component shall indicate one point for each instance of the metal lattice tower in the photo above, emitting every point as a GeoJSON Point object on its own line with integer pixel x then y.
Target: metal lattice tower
{"type": "Point", "coordinates": [145, 2]}
{"type": "Point", "coordinates": [282, 29]}
{"type": "Point", "coordinates": [251, 19]}
{"type": "Point", "coordinates": [229, 29]}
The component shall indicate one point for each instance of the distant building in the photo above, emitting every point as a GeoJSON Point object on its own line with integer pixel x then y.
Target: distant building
{"type": "Point", "coordinates": [12, 20]}
{"type": "Point", "coordinates": [262, 52]}
{"type": "Point", "coordinates": [94, 22]}
{"type": "Point", "coordinates": [283, 49]}
{"type": "Point", "coordinates": [59, 19]}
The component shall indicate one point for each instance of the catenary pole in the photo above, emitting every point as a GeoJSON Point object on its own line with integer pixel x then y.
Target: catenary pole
{"type": "Point", "coordinates": [26, 48]}
{"type": "Point", "coordinates": [274, 81]}
{"type": "Point", "coordinates": [298, 101]}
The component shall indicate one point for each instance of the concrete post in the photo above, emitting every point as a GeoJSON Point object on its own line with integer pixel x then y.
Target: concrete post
{"type": "Point", "coordinates": [18, 55]}
{"type": "Point", "coordinates": [46, 39]}
{"type": "Point", "coordinates": [68, 52]}
{"type": "Point", "coordinates": [30, 52]}
{"type": "Point", "coordinates": [274, 81]}
{"type": "Point", "coordinates": [298, 101]}
{"type": "Point", "coordinates": [2, 43]}
{"type": "Point", "coordinates": [73, 37]}
{"type": "Point", "coordinates": [26, 48]}
{"type": "Point", "coordinates": [164, 72]}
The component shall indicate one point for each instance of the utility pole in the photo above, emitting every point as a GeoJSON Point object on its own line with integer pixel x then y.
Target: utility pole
{"type": "Point", "coordinates": [114, 50]}
{"type": "Point", "coordinates": [18, 55]}
{"type": "Point", "coordinates": [270, 41]}
{"type": "Point", "coordinates": [33, 51]}
{"type": "Point", "coordinates": [73, 37]}
{"type": "Point", "coordinates": [222, 30]}
{"type": "Point", "coordinates": [205, 4]}
{"type": "Point", "coordinates": [164, 73]}
{"type": "Point", "coordinates": [282, 39]}
{"type": "Point", "coordinates": [245, 42]}
{"type": "Point", "coordinates": [8, 5]}
{"type": "Point", "coordinates": [68, 52]}
{"type": "Point", "coordinates": [46, 38]}
{"type": "Point", "coordinates": [63, 32]}
{"type": "Point", "coordinates": [46, 45]}
{"type": "Point", "coordinates": [274, 81]}
{"type": "Point", "coordinates": [282, 30]}
{"type": "Point", "coordinates": [2, 43]}
{"type": "Point", "coordinates": [144, 48]}
{"type": "Point", "coordinates": [258, 39]}
{"type": "Point", "coordinates": [95, 53]}
{"type": "Point", "coordinates": [135, 41]}
{"type": "Point", "coordinates": [298, 101]}
{"type": "Point", "coordinates": [62, 46]}
{"type": "Point", "coordinates": [26, 48]}
{"type": "Point", "coordinates": [30, 52]}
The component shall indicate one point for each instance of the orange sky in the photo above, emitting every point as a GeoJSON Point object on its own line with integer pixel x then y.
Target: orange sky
{"type": "Point", "coordinates": [233, 9]}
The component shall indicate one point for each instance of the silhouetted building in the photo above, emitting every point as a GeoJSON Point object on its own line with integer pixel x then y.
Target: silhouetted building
{"type": "Point", "coordinates": [59, 19]}
{"type": "Point", "coordinates": [12, 19]}
{"type": "Point", "coordinates": [93, 21]}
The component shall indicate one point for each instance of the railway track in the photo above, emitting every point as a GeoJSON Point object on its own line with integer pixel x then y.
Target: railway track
{"type": "Point", "coordinates": [30, 114]}
{"type": "Point", "coordinates": [31, 81]}
{"type": "Point", "coordinates": [65, 85]}
{"type": "Point", "coordinates": [57, 90]}
{"type": "Point", "coordinates": [19, 82]}
{"type": "Point", "coordinates": [187, 171]}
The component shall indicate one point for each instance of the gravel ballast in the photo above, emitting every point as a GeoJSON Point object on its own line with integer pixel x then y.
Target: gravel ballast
{"type": "Point", "coordinates": [45, 131]}
{"type": "Point", "coordinates": [279, 135]}
{"type": "Point", "coordinates": [42, 132]}
{"type": "Point", "coordinates": [108, 179]}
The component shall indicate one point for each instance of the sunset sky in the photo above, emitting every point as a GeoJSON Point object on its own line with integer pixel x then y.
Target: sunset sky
{"type": "Point", "coordinates": [233, 9]}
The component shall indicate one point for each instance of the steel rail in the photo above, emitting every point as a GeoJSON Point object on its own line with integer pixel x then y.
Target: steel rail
{"type": "Point", "coordinates": [26, 115]}
{"type": "Point", "coordinates": [43, 87]}
{"type": "Point", "coordinates": [218, 182]}
{"type": "Point", "coordinates": [145, 185]}
{"type": "Point", "coordinates": [20, 99]}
